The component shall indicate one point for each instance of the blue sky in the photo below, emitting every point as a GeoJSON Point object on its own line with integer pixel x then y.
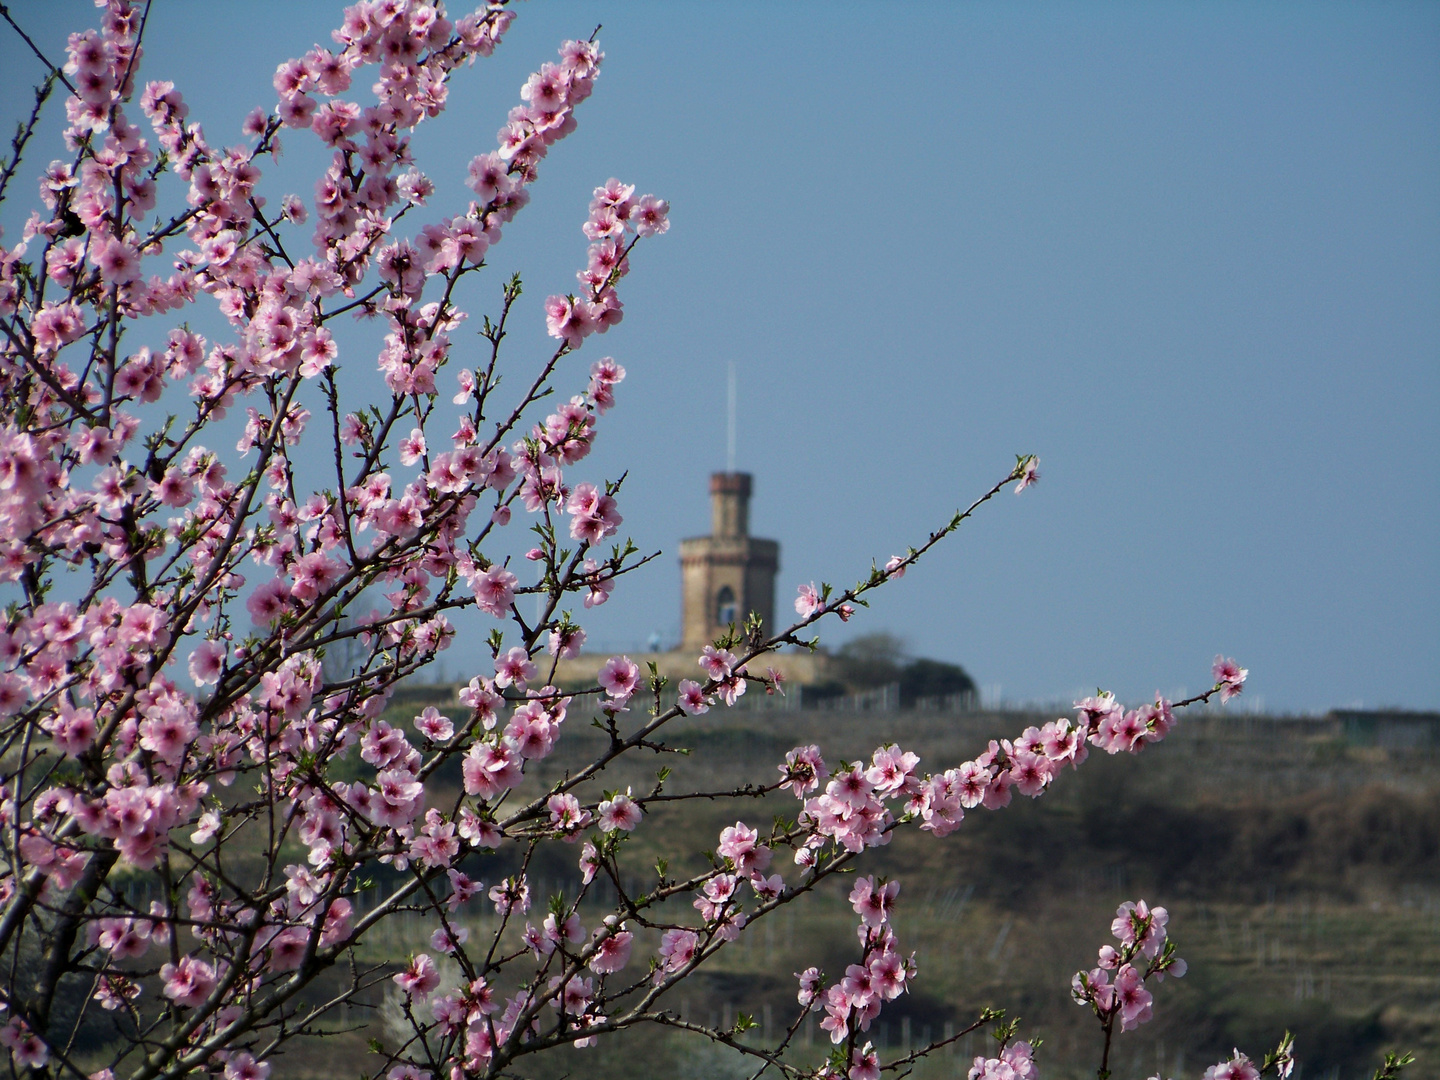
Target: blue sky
{"type": "Point", "coordinates": [1187, 253]}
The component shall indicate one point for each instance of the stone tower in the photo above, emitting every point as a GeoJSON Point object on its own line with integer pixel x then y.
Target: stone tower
{"type": "Point", "coordinates": [728, 574]}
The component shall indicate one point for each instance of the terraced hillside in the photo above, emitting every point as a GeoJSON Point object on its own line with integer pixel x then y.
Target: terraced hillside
{"type": "Point", "coordinates": [1301, 870]}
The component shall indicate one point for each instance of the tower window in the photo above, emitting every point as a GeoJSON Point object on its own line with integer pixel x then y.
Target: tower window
{"type": "Point", "coordinates": [725, 606]}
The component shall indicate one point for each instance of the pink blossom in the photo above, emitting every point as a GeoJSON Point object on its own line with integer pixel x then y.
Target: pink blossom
{"type": "Point", "coordinates": [117, 262]}
{"type": "Point", "coordinates": [593, 514]}
{"type": "Point", "coordinates": [1030, 773]}
{"type": "Point", "coordinates": [206, 828]}
{"type": "Point", "coordinates": [1158, 718]}
{"type": "Point", "coordinates": [420, 978]}
{"type": "Point", "coordinates": [692, 698]}
{"type": "Point", "coordinates": [872, 902]}
{"type": "Point", "coordinates": [495, 590]}
{"type": "Point", "coordinates": [1239, 1067]}
{"type": "Point", "coordinates": [189, 982]}
{"type": "Point", "coordinates": [1229, 677]}
{"type": "Point", "coordinates": [569, 319]}
{"type": "Point", "coordinates": [462, 888]}
{"type": "Point", "coordinates": [729, 689]}
{"type": "Point", "coordinates": [384, 746]}
{"type": "Point", "coordinates": [568, 931]}
{"type": "Point", "coordinates": [27, 1048]}
{"type": "Point", "coordinates": [434, 726]}
{"type": "Point", "coordinates": [566, 642]}
{"type": "Point", "coordinates": [317, 351]}
{"type": "Point", "coordinates": [766, 888]}
{"type": "Point", "coordinates": [1020, 1057]}
{"type": "Point", "coordinates": [293, 207]}
{"type": "Point", "coordinates": [741, 845]}
{"type": "Point", "coordinates": [837, 1014]}
{"type": "Point", "coordinates": [604, 223]}
{"type": "Point", "coordinates": [651, 217]}
{"type": "Point", "coordinates": [858, 987]}
{"type": "Point", "coordinates": [1093, 988]}
{"type": "Point", "coordinates": [604, 373]}
{"type": "Point", "coordinates": [243, 1066]}
{"type": "Point", "coordinates": [268, 602]}
{"type": "Point", "coordinates": [412, 447]}
{"type": "Point", "coordinates": [888, 974]}
{"type": "Point", "coordinates": [619, 676]}
{"type": "Point", "coordinates": [531, 731]}
{"type": "Point", "coordinates": [436, 845]}
{"type": "Point", "coordinates": [1134, 1000]}
{"type": "Point", "coordinates": [73, 730]}
{"type": "Point", "coordinates": [479, 695]}
{"type": "Point", "coordinates": [489, 769]}
{"type": "Point", "coordinates": [313, 574]}
{"type": "Point", "coordinates": [891, 769]}
{"type": "Point", "coordinates": [589, 863]}
{"type": "Point", "coordinates": [612, 950]}
{"type": "Point", "coordinates": [537, 942]}
{"type": "Point", "coordinates": [811, 980]}
{"type": "Point", "coordinates": [616, 196]}
{"type": "Point", "coordinates": [488, 177]}
{"type": "Point", "coordinates": [123, 938]}
{"type": "Point", "coordinates": [677, 949]}
{"type": "Point", "coordinates": [1061, 742]}
{"type": "Point", "coordinates": [514, 667]}
{"type": "Point", "coordinates": [398, 797]}
{"type": "Point", "coordinates": [864, 1064]}
{"type": "Point", "coordinates": [997, 794]}
{"type": "Point", "coordinates": [1136, 923]}
{"type": "Point", "coordinates": [600, 587]}
{"type": "Point", "coordinates": [620, 812]}
{"type": "Point", "coordinates": [566, 814]}
{"type": "Point", "coordinates": [851, 787]}
{"type": "Point", "coordinates": [718, 663]}
{"type": "Point", "coordinates": [56, 325]}
{"type": "Point", "coordinates": [169, 734]}
{"type": "Point", "coordinates": [576, 997]}
{"type": "Point", "coordinates": [414, 186]}
{"type": "Point", "coordinates": [1027, 471]}
{"type": "Point", "coordinates": [804, 770]}
{"type": "Point", "coordinates": [808, 602]}
{"type": "Point", "coordinates": [287, 950]}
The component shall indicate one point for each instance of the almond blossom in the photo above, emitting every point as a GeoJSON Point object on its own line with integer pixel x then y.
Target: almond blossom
{"type": "Point", "coordinates": [205, 637]}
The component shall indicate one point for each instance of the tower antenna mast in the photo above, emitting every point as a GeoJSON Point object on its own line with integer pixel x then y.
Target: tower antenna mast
{"type": "Point", "coordinates": [730, 423]}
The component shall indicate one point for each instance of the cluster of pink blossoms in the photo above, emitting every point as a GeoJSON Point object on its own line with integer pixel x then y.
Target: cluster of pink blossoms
{"type": "Point", "coordinates": [27, 1049]}
{"type": "Point", "coordinates": [1141, 932]}
{"type": "Point", "coordinates": [1115, 989]}
{"type": "Point", "coordinates": [467, 1012]}
{"type": "Point", "coordinates": [228, 569]}
{"type": "Point", "coordinates": [616, 219]}
{"type": "Point", "coordinates": [1015, 1062]}
{"type": "Point", "coordinates": [1239, 1067]}
{"type": "Point", "coordinates": [76, 489]}
{"type": "Point", "coordinates": [852, 810]}
{"type": "Point", "coordinates": [744, 860]}
{"type": "Point", "coordinates": [882, 974]}
{"type": "Point", "coordinates": [1229, 676]}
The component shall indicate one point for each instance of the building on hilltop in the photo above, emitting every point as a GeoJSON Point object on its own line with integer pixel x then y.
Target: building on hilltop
{"type": "Point", "coordinates": [724, 577]}
{"type": "Point", "coordinates": [729, 574]}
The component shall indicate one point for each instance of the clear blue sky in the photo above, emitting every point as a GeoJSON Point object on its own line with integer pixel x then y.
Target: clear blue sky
{"type": "Point", "coordinates": [1187, 253]}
